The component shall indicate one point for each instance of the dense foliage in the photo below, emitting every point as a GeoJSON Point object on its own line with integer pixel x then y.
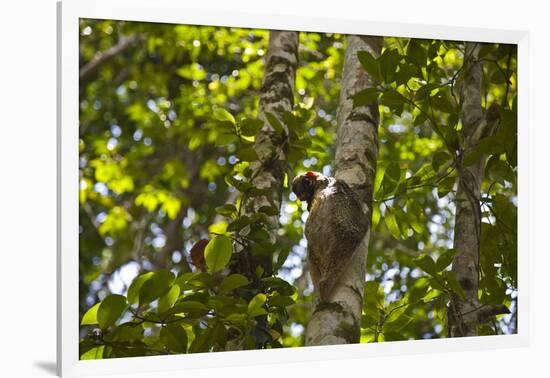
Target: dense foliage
{"type": "Point", "coordinates": [167, 123]}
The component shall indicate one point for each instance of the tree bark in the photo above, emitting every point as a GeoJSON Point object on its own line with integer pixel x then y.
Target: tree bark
{"type": "Point", "coordinates": [466, 314]}
{"type": "Point", "coordinates": [277, 98]}
{"type": "Point", "coordinates": [339, 322]}
{"type": "Point", "coordinates": [271, 146]}
{"type": "Point", "coordinates": [268, 171]}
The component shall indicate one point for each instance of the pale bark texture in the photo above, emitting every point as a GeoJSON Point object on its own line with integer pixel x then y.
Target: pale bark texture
{"type": "Point", "coordinates": [271, 146]}
{"type": "Point", "coordinates": [465, 315]}
{"type": "Point", "coordinates": [339, 320]}
{"type": "Point", "coordinates": [277, 98]}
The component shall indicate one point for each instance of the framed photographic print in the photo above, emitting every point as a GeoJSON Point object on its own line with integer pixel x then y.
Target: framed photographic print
{"type": "Point", "coordinates": [237, 188]}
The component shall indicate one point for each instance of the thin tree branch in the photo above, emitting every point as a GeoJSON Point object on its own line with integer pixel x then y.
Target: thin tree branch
{"type": "Point", "coordinates": [100, 58]}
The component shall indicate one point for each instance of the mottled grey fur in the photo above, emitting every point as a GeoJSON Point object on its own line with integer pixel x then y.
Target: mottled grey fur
{"type": "Point", "coordinates": [334, 229]}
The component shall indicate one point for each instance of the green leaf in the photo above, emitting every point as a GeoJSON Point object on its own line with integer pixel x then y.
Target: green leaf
{"type": "Point", "coordinates": [441, 101]}
{"type": "Point", "coordinates": [375, 217]}
{"type": "Point", "coordinates": [486, 146]}
{"type": "Point", "coordinates": [247, 154]}
{"type": "Point", "coordinates": [110, 309]}
{"type": "Point", "coordinates": [135, 287]}
{"type": "Point", "coordinates": [281, 258]}
{"type": "Point", "coordinates": [95, 353]}
{"type": "Point", "coordinates": [258, 300]}
{"type": "Point", "coordinates": [402, 221]}
{"type": "Point", "coordinates": [202, 342]}
{"type": "Point", "coordinates": [418, 289]}
{"type": "Point", "coordinates": [370, 64]}
{"type": "Point", "coordinates": [424, 173]}
{"type": "Point", "coordinates": [420, 119]}
{"type": "Point", "coordinates": [416, 53]}
{"type": "Point", "coordinates": [392, 178]}
{"type": "Point", "coordinates": [427, 264]}
{"type": "Point", "coordinates": [156, 286]}
{"type": "Point", "coordinates": [174, 337]}
{"type": "Point", "coordinates": [365, 97]}
{"type": "Point", "coordinates": [269, 210]}
{"type": "Point", "coordinates": [227, 210]}
{"type": "Point", "coordinates": [218, 253]}
{"type": "Point", "coordinates": [239, 223]}
{"type": "Point", "coordinates": [249, 126]}
{"type": "Point", "coordinates": [391, 223]}
{"type": "Point", "coordinates": [232, 282]}
{"type": "Point", "coordinates": [224, 116]}
{"type": "Point", "coordinates": [425, 91]}
{"type": "Point", "coordinates": [392, 98]}
{"type": "Point", "coordinates": [257, 311]}
{"type": "Point", "coordinates": [380, 171]}
{"type": "Point", "coordinates": [274, 122]}
{"type": "Point", "coordinates": [395, 310]}
{"type": "Point", "coordinates": [224, 139]}
{"type": "Point", "coordinates": [498, 78]}
{"type": "Point", "coordinates": [437, 284]}
{"type": "Point", "coordinates": [187, 306]}
{"type": "Point", "coordinates": [398, 324]}
{"type": "Point", "coordinates": [374, 296]}
{"type": "Point", "coordinates": [255, 307]}
{"type": "Point", "coordinates": [281, 301]}
{"type": "Point", "coordinates": [439, 159]}
{"type": "Point", "coordinates": [444, 260]}
{"type": "Point", "coordinates": [405, 73]}
{"type": "Point", "coordinates": [388, 64]}
{"type": "Point", "coordinates": [237, 318]}
{"type": "Point", "coordinates": [217, 228]}
{"type": "Point", "coordinates": [393, 171]}
{"type": "Point", "coordinates": [194, 280]}
{"type": "Point", "coordinates": [259, 235]}
{"type": "Point", "coordinates": [432, 294]}
{"type": "Point", "coordinates": [219, 334]}
{"type": "Point", "coordinates": [445, 186]}
{"type": "Point", "coordinates": [126, 332]}
{"type": "Point", "coordinates": [455, 286]}
{"type": "Point", "coordinates": [90, 317]}
{"type": "Point", "coordinates": [168, 299]}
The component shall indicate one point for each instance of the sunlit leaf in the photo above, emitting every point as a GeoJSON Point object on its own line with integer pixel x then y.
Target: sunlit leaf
{"type": "Point", "coordinates": [110, 309]}
{"type": "Point", "coordinates": [95, 353]}
{"type": "Point", "coordinates": [223, 115]}
{"type": "Point", "coordinates": [135, 287]}
{"type": "Point", "coordinates": [168, 299]}
{"type": "Point", "coordinates": [391, 223]}
{"type": "Point", "coordinates": [218, 253]}
{"type": "Point", "coordinates": [156, 286]}
{"type": "Point", "coordinates": [90, 317]}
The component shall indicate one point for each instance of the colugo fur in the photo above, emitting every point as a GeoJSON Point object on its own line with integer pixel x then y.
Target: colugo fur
{"type": "Point", "coordinates": [334, 229]}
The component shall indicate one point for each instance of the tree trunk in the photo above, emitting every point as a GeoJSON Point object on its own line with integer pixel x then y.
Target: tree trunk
{"type": "Point", "coordinates": [466, 314]}
{"type": "Point", "coordinates": [339, 322]}
{"type": "Point", "coordinates": [277, 98]}
{"type": "Point", "coordinates": [271, 146]}
{"type": "Point", "coordinates": [268, 171]}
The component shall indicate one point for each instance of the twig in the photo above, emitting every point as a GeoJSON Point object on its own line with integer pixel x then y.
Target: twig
{"type": "Point", "coordinates": [104, 56]}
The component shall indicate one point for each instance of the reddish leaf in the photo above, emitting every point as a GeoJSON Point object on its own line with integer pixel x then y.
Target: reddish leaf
{"type": "Point", "coordinates": [197, 255]}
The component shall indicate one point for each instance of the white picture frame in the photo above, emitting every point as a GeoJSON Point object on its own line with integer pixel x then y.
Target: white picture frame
{"type": "Point", "coordinates": [172, 11]}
